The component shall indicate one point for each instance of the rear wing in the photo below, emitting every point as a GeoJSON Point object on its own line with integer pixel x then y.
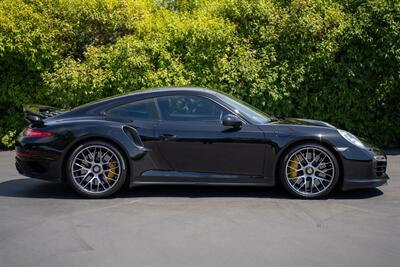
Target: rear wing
{"type": "Point", "coordinates": [36, 114]}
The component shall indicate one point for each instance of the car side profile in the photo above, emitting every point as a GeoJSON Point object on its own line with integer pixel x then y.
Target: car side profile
{"type": "Point", "coordinates": [191, 136]}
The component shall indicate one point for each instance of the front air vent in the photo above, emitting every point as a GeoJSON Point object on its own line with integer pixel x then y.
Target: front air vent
{"type": "Point", "coordinates": [380, 167]}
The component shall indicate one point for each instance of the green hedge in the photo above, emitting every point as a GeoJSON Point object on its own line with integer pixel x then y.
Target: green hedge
{"type": "Point", "coordinates": [337, 61]}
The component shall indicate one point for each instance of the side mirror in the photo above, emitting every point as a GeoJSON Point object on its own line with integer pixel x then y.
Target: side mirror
{"type": "Point", "coordinates": [232, 121]}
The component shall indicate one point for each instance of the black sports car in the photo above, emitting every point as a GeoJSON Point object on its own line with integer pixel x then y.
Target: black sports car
{"type": "Point", "coordinates": [191, 136]}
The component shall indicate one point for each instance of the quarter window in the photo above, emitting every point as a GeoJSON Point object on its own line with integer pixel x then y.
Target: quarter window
{"type": "Point", "coordinates": [190, 108]}
{"type": "Point", "coordinates": [138, 110]}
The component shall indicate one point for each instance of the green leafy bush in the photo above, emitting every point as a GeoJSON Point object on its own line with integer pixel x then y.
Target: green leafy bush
{"type": "Point", "coordinates": [8, 140]}
{"type": "Point", "coordinates": [337, 61]}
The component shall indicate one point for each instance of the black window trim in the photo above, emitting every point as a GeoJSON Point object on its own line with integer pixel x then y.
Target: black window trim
{"type": "Point", "coordinates": [159, 115]}
{"type": "Point", "coordinates": [245, 121]}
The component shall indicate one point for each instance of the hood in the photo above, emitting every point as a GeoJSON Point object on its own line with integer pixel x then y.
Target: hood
{"type": "Point", "coordinates": [302, 122]}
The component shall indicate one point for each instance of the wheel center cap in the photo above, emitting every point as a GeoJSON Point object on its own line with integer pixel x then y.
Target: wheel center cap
{"type": "Point", "coordinates": [96, 169]}
{"type": "Point", "coordinates": [309, 170]}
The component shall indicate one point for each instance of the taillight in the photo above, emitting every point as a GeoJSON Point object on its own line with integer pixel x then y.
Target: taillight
{"type": "Point", "coordinates": [29, 132]}
{"type": "Point", "coordinates": [23, 154]}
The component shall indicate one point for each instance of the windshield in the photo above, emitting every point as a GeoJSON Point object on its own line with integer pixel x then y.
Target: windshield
{"type": "Point", "coordinates": [242, 108]}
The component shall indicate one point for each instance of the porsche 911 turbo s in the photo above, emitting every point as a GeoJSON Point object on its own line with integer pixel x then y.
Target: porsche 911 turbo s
{"type": "Point", "coordinates": [191, 136]}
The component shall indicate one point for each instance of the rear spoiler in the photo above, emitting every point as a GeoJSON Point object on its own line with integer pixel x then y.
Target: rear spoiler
{"type": "Point", "coordinates": [35, 114]}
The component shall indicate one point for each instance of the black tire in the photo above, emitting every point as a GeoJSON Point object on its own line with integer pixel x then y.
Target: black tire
{"type": "Point", "coordinates": [291, 189]}
{"type": "Point", "coordinates": [114, 188]}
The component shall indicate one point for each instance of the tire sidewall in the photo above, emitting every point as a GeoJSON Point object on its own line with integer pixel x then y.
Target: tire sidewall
{"type": "Point", "coordinates": [282, 170]}
{"type": "Point", "coordinates": [115, 188]}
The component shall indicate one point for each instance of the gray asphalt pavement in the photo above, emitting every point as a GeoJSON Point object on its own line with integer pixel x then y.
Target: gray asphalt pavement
{"type": "Point", "coordinates": [46, 224]}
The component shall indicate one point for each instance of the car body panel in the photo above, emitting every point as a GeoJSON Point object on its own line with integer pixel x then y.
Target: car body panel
{"type": "Point", "coordinates": [160, 151]}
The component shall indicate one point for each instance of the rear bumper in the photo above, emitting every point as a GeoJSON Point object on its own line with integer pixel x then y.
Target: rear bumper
{"type": "Point", "coordinates": [34, 158]}
{"type": "Point", "coordinates": [37, 168]}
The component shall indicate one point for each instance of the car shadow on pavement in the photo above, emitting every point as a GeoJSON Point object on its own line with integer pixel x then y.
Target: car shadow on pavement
{"type": "Point", "coordinates": [31, 188]}
{"type": "Point", "coordinates": [199, 191]}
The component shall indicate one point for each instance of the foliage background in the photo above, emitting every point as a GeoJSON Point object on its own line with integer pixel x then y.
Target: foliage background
{"type": "Point", "coordinates": [337, 60]}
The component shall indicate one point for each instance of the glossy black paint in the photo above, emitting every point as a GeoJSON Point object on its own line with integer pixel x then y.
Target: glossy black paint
{"type": "Point", "coordinates": [162, 151]}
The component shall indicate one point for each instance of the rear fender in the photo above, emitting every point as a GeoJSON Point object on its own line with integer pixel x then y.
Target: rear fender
{"type": "Point", "coordinates": [113, 132]}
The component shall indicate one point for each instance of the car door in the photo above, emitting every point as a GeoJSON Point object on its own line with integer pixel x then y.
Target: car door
{"type": "Point", "coordinates": [192, 139]}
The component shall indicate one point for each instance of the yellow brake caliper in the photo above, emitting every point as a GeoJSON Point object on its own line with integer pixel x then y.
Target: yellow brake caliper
{"type": "Point", "coordinates": [111, 173]}
{"type": "Point", "coordinates": [294, 164]}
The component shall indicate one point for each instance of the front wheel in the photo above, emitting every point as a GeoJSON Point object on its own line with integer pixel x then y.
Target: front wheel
{"type": "Point", "coordinates": [309, 171]}
{"type": "Point", "coordinates": [96, 169]}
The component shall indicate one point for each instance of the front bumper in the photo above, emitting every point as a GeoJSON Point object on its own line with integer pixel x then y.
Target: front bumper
{"type": "Point", "coordinates": [365, 174]}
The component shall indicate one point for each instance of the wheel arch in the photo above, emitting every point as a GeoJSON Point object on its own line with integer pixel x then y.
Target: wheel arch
{"type": "Point", "coordinates": [323, 143]}
{"type": "Point", "coordinates": [85, 139]}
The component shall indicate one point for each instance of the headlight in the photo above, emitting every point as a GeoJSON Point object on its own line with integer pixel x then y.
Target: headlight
{"type": "Point", "coordinates": [351, 138]}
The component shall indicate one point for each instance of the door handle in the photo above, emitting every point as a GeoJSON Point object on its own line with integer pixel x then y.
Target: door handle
{"type": "Point", "coordinates": [166, 137]}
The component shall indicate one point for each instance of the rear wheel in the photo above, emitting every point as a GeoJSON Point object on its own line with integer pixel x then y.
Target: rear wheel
{"type": "Point", "coordinates": [96, 169]}
{"type": "Point", "coordinates": [309, 171]}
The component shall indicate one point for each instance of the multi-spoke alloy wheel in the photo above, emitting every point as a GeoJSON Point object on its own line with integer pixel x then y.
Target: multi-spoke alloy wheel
{"type": "Point", "coordinates": [310, 171]}
{"type": "Point", "coordinates": [96, 169]}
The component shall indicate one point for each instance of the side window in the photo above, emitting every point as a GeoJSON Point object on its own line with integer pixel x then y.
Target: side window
{"type": "Point", "coordinates": [138, 110]}
{"type": "Point", "coordinates": [190, 108]}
